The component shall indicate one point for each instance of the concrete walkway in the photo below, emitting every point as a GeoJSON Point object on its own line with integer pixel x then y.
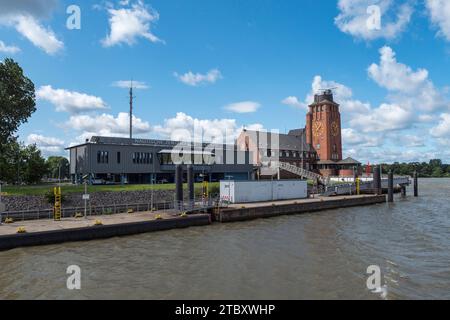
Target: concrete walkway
{"type": "Point", "coordinates": [73, 223]}
{"type": "Point", "coordinates": [296, 201]}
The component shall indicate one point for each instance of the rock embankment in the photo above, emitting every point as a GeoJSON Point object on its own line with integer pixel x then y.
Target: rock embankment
{"type": "Point", "coordinates": [74, 200]}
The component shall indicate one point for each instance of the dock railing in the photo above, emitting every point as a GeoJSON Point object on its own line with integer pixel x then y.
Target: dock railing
{"type": "Point", "coordinates": [70, 212]}
{"type": "Point", "coordinates": [188, 207]}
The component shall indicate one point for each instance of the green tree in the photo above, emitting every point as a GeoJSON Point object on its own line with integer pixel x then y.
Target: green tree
{"type": "Point", "coordinates": [17, 100]}
{"type": "Point", "coordinates": [34, 165]}
{"type": "Point", "coordinates": [58, 166]}
{"type": "Point", "coordinates": [437, 172]}
{"type": "Point", "coordinates": [10, 162]}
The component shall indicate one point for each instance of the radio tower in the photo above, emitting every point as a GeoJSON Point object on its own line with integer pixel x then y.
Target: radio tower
{"type": "Point", "coordinates": [131, 110]}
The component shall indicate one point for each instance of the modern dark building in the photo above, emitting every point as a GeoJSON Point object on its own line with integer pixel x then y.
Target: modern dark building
{"type": "Point", "coordinates": [138, 161]}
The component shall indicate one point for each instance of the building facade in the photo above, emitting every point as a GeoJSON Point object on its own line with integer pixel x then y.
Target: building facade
{"type": "Point", "coordinates": [137, 161]}
{"type": "Point", "coordinates": [317, 147]}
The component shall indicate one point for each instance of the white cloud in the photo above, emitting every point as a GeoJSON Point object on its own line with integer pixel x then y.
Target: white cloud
{"type": "Point", "coordinates": [293, 102]}
{"type": "Point", "coordinates": [439, 11]}
{"type": "Point", "coordinates": [186, 128]}
{"type": "Point", "coordinates": [243, 107]}
{"type": "Point", "coordinates": [411, 141]}
{"type": "Point", "coordinates": [129, 23]}
{"type": "Point", "coordinates": [41, 37]}
{"type": "Point", "coordinates": [413, 90]}
{"type": "Point", "coordinates": [197, 79]}
{"type": "Point", "coordinates": [107, 125]}
{"type": "Point", "coordinates": [352, 137]}
{"type": "Point", "coordinates": [442, 130]}
{"type": "Point", "coordinates": [396, 76]}
{"type": "Point", "coordinates": [125, 84]}
{"type": "Point", "coordinates": [8, 49]}
{"type": "Point", "coordinates": [389, 155]}
{"type": "Point", "coordinates": [37, 8]}
{"type": "Point", "coordinates": [48, 145]}
{"type": "Point", "coordinates": [25, 16]}
{"type": "Point", "coordinates": [343, 95]}
{"type": "Point", "coordinates": [353, 17]}
{"type": "Point", "coordinates": [387, 117]}
{"type": "Point", "coordinates": [70, 101]}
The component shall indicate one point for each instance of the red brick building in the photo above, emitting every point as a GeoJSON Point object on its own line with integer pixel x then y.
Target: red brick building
{"type": "Point", "coordinates": [317, 147]}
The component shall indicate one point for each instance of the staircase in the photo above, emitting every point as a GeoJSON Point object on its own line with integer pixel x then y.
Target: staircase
{"type": "Point", "coordinates": [300, 172]}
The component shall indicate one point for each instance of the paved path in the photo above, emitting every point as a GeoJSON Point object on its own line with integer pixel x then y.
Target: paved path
{"type": "Point", "coordinates": [295, 201]}
{"type": "Point", "coordinates": [72, 223]}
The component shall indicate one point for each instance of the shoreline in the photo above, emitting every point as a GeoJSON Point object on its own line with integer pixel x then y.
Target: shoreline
{"type": "Point", "coordinates": [45, 232]}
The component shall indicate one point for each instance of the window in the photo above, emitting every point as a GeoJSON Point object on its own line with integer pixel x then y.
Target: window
{"type": "Point", "coordinates": [102, 157]}
{"type": "Point", "coordinates": [118, 157]}
{"type": "Point", "coordinates": [142, 158]}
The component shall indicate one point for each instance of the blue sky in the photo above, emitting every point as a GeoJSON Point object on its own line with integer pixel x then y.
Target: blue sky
{"type": "Point", "coordinates": [225, 64]}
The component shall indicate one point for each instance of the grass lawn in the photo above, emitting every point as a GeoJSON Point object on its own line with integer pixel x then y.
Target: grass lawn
{"type": "Point", "coordinates": [69, 188]}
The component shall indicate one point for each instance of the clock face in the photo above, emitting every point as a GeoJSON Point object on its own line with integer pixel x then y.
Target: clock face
{"type": "Point", "coordinates": [317, 129]}
{"type": "Point", "coordinates": [334, 129]}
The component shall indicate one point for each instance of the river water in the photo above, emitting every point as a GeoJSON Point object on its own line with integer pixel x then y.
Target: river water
{"type": "Point", "coordinates": [321, 255]}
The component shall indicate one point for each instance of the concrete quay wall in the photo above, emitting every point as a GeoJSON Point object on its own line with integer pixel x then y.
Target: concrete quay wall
{"type": "Point", "coordinates": [255, 212]}
{"type": "Point", "coordinates": [8, 242]}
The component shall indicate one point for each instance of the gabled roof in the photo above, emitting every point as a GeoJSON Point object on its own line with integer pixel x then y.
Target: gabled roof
{"type": "Point", "coordinates": [288, 142]}
{"type": "Point", "coordinates": [349, 160]}
{"type": "Point", "coordinates": [297, 132]}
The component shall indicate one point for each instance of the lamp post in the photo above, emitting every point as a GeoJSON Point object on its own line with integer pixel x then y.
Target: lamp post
{"type": "Point", "coordinates": [85, 195]}
{"type": "Point", "coordinates": [59, 173]}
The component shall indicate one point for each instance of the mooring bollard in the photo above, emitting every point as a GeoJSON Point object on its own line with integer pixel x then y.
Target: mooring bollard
{"type": "Point", "coordinates": [377, 180]}
{"type": "Point", "coordinates": [191, 186]}
{"type": "Point", "coordinates": [416, 184]}
{"type": "Point", "coordinates": [178, 186]}
{"type": "Point", "coordinates": [403, 187]}
{"type": "Point", "coordinates": [391, 186]}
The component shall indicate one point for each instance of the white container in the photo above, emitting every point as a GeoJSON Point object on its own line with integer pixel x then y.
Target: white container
{"type": "Point", "coordinates": [259, 191]}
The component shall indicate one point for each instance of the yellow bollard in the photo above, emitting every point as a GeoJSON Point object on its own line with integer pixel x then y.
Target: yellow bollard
{"type": "Point", "coordinates": [21, 230]}
{"type": "Point", "coordinates": [158, 217]}
{"type": "Point", "coordinates": [98, 223]}
{"type": "Point", "coordinates": [9, 220]}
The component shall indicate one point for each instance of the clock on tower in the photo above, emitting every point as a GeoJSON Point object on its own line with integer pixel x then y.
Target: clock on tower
{"type": "Point", "coordinates": [323, 127]}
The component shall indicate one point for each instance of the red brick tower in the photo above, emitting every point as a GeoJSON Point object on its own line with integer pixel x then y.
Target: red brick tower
{"type": "Point", "coordinates": [323, 127]}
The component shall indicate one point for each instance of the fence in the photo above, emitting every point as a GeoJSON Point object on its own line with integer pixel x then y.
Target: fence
{"type": "Point", "coordinates": [91, 211]}
{"type": "Point", "coordinates": [184, 206]}
{"type": "Point", "coordinates": [350, 188]}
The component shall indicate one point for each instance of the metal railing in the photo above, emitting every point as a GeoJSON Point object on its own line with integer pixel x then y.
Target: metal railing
{"type": "Point", "coordinates": [38, 214]}
{"type": "Point", "coordinates": [167, 206]}
{"type": "Point", "coordinates": [350, 188]}
{"type": "Point", "coordinates": [302, 172]}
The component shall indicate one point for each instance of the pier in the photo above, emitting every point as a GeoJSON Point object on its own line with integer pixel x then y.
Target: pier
{"type": "Point", "coordinates": [46, 232]}
{"type": "Point", "coordinates": [251, 211]}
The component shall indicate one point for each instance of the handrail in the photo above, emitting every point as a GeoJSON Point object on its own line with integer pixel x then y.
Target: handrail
{"type": "Point", "coordinates": [301, 172]}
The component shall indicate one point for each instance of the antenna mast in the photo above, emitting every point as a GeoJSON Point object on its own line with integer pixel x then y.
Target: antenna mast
{"type": "Point", "coordinates": [131, 110]}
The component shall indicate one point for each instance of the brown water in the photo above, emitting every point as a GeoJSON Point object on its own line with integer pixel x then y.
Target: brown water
{"type": "Point", "coordinates": [312, 256]}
